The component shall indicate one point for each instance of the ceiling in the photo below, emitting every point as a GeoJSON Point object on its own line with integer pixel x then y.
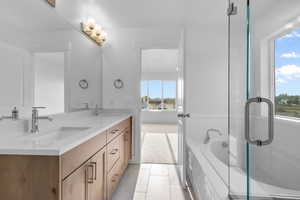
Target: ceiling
{"type": "Point", "coordinates": [120, 13]}
{"type": "Point", "coordinates": [271, 16]}
{"type": "Point", "coordinates": [145, 13]}
{"type": "Point", "coordinates": [163, 15]}
{"type": "Point", "coordinates": [142, 13]}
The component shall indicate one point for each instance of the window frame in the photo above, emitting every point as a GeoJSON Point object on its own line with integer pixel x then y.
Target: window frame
{"type": "Point", "coordinates": [162, 96]}
{"type": "Point", "coordinates": [272, 71]}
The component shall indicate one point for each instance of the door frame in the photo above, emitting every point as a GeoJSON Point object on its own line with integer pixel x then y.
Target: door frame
{"type": "Point", "coordinates": [139, 110]}
{"type": "Point", "coordinates": [182, 171]}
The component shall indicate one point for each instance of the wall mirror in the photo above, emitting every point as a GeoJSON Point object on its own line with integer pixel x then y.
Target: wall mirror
{"type": "Point", "coordinates": [42, 58]}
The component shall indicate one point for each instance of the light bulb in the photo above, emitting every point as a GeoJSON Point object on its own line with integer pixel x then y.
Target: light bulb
{"type": "Point", "coordinates": [103, 35]}
{"type": "Point", "coordinates": [91, 23]}
{"type": "Point", "coordinates": [86, 29]}
{"type": "Point", "coordinates": [98, 40]}
{"type": "Point", "coordinates": [98, 30]}
{"type": "Point", "coordinates": [94, 35]}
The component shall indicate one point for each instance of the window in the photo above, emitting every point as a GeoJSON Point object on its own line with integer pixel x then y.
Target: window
{"type": "Point", "coordinates": [287, 74]}
{"type": "Point", "coordinates": [154, 94]}
{"type": "Point", "coordinates": [158, 95]}
{"type": "Point", "coordinates": [169, 94]}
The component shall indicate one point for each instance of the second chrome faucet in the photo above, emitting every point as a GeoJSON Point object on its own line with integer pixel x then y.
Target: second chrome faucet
{"type": "Point", "coordinates": [35, 119]}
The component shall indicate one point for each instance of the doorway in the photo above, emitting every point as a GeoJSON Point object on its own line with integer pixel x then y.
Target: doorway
{"type": "Point", "coordinates": [159, 130]}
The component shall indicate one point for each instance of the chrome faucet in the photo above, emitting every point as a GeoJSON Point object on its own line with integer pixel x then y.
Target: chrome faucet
{"type": "Point", "coordinates": [96, 111]}
{"type": "Point", "coordinates": [14, 115]}
{"type": "Point", "coordinates": [207, 138]}
{"type": "Point", "coordinates": [35, 119]}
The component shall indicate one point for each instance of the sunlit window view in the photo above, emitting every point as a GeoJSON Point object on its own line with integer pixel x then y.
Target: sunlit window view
{"type": "Point", "coordinates": [158, 95]}
{"type": "Point", "coordinates": [287, 73]}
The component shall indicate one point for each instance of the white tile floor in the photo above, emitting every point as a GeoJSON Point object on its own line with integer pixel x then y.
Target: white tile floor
{"type": "Point", "coordinates": [150, 182]}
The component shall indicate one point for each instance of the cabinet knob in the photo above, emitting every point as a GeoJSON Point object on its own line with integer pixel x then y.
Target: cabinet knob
{"type": "Point", "coordinates": [113, 180]}
{"type": "Point", "coordinates": [114, 151]}
{"type": "Point", "coordinates": [114, 131]}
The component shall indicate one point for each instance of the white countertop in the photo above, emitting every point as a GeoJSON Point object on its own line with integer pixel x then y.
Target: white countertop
{"type": "Point", "coordinates": [62, 137]}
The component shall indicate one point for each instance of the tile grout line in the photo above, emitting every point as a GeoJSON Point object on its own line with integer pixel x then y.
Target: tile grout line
{"type": "Point", "coordinates": [148, 182]}
{"type": "Point", "coordinates": [170, 148]}
{"type": "Point", "coordinates": [169, 177]}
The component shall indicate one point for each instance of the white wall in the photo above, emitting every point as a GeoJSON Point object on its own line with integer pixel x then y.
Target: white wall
{"type": "Point", "coordinates": [206, 78]}
{"type": "Point", "coordinates": [159, 60]}
{"type": "Point", "coordinates": [160, 117]}
{"type": "Point", "coordinates": [167, 76]}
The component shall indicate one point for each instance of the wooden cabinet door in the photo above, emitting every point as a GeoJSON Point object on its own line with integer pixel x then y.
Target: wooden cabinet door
{"type": "Point", "coordinates": [123, 152]}
{"type": "Point", "coordinates": [97, 188]}
{"type": "Point", "coordinates": [127, 145]}
{"type": "Point", "coordinates": [113, 152]}
{"type": "Point", "coordinates": [75, 186]}
{"type": "Point", "coordinates": [113, 178]}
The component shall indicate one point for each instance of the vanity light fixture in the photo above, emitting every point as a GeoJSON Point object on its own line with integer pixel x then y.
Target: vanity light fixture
{"type": "Point", "coordinates": [51, 2]}
{"type": "Point", "coordinates": [94, 31]}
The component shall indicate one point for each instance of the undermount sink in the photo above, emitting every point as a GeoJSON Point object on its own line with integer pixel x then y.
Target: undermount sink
{"type": "Point", "coordinates": [69, 130]}
{"type": "Point", "coordinates": [73, 128]}
{"type": "Point", "coordinates": [63, 132]}
{"type": "Point", "coordinates": [44, 139]}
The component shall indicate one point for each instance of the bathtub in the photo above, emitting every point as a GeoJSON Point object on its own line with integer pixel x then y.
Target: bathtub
{"type": "Point", "coordinates": [213, 163]}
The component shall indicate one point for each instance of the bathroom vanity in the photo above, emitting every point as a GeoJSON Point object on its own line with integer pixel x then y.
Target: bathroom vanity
{"type": "Point", "coordinates": [55, 166]}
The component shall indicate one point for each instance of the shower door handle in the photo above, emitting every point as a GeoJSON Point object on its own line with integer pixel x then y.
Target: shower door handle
{"type": "Point", "coordinates": [270, 121]}
{"type": "Point", "coordinates": [182, 115]}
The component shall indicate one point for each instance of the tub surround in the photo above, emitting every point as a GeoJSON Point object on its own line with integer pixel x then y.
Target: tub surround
{"type": "Point", "coordinates": [206, 182]}
{"type": "Point", "coordinates": [80, 156]}
{"type": "Point", "coordinates": [209, 163]}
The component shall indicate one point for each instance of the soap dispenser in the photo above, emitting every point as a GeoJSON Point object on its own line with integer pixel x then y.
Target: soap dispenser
{"type": "Point", "coordinates": [96, 112]}
{"type": "Point", "coordinates": [15, 114]}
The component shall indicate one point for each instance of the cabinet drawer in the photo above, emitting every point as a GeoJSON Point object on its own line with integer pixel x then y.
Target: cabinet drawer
{"type": "Point", "coordinates": [117, 129]}
{"type": "Point", "coordinates": [113, 179]}
{"type": "Point", "coordinates": [72, 159]}
{"type": "Point", "coordinates": [113, 152]}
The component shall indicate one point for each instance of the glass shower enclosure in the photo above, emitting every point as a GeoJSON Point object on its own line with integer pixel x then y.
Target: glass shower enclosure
{"type": "Point", "coordinates": [264, 99]}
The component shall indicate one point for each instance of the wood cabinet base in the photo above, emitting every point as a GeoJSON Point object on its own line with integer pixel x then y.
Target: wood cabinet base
{"type": "Point", "coordinates": [29, 177]}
